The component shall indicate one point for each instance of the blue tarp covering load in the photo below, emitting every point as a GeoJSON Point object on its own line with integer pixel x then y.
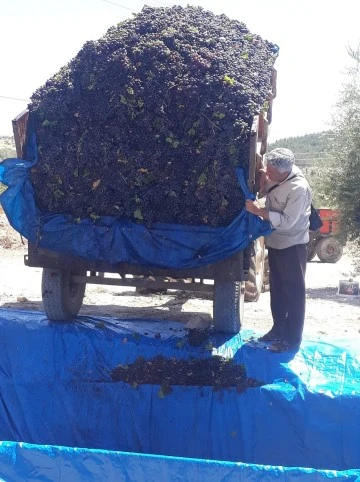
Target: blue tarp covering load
{"type": "Point", "coordinates": [119, 240]}
{"type": "Point", "coordinates": [56, 390]}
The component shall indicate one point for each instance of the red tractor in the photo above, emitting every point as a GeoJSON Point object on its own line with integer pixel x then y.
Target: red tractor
{"type": "Point", "coordinates": [326, 242]}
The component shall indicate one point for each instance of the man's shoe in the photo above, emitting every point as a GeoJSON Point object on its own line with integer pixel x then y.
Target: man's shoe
{"type": "Point", "coordinates": [270, 336]}
{"type": "Point", "coordinates": [282, 346]}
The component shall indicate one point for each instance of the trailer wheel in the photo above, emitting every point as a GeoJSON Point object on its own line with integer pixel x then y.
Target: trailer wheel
{"type": "Point", "coordinates": [62, 298]}
{"type": "Point", "coordinates": [228, 305]}
{"type": "Point", "coordinates": [254, 283]}
{"type": "Point", "coordinates": [329, 250]}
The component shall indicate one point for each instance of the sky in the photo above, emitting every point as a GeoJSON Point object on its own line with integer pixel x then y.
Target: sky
{"type": "Point", "coordinates": [38, 37]}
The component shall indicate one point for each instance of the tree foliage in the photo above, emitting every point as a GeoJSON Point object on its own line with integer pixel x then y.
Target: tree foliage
{"type": "Point", "coordinates": [7, 147]}
{"type": "Point", "coordinates": [313, 156]}
{"type": "Point", "coordinates": [344, 179]}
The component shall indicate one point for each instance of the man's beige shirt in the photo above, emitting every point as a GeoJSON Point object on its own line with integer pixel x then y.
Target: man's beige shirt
{"type": "Point", "coordinates": [289, 207]}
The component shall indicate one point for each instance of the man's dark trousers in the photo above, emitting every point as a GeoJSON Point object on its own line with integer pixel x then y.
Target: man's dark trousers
{"type": "Point", "coordinates": [287, 291]}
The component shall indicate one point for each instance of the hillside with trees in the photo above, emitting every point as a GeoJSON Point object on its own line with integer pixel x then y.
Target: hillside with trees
{"type": "Point", "coordinates": [315, 144]}
{"type": "Point", "coordinates": [313, 154]}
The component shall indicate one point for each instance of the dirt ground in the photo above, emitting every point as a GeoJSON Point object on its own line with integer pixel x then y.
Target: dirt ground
{"type": "Point", "coordinates": [328, 315]}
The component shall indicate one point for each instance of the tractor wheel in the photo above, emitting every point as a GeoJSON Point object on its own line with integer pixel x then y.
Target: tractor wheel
{"type": "Point", "coordinates": [314, 238]}
{"type": "Point", "coordinates": [62, 298]}
{"type": "Point", "coordinates": [329, 250]}
{"type": "Point", "coordinates": [311, 252]}
{"type": "Point", "coordinates": [255, 281]}
{"type": "Point", "coordinates": [266, 280]}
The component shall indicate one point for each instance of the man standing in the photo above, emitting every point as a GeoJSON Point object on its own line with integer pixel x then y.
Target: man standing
{"type": "Point", "coordinates": [287, 207]}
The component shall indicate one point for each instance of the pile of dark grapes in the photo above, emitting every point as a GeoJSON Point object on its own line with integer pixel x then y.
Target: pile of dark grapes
{"type": "Point", "coordinates": [214, 371]}
{"type": "Point", "coordinates": [150, 121]}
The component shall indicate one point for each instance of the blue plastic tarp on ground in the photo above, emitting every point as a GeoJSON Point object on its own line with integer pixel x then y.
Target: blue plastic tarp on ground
{"type": "Point", "coordinates": [56, 390]}
{"type": "Point", "coordinates": [20, 462]}
{"type": "Point", "coordinates": [119, 240]}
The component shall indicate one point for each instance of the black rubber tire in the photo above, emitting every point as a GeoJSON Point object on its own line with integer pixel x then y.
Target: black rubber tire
{"type": "Point", "coordinates": [255, 281]}
{"type": "Point", "coordinates": [61, 298]}
{"type": "Point", "coordinates": [311, 252]}
{"type": "Point", "coordinates": [329, 250]}
{"type": "Point", "coordinates": [228, 306]}
{"type": "Point", "coordinates": [266, 278]}
{"type": "Point", "coordinates": [314, 238]}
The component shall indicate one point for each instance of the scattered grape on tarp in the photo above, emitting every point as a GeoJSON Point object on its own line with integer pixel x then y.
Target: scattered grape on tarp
{"type": "Point", "coordinates": [214, 371]}
{"type": "Point", "coordinates": [150, 121]}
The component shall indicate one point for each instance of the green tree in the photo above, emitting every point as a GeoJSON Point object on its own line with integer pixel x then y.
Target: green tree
{"type": "Point", "coordinates": [7, 149]}
{"type": "Point", "coordinates": [7, 152]}
{"type": "Point", "coordinates": [313, 156]}
{"type": "Point", "coordinates": [343, 187]}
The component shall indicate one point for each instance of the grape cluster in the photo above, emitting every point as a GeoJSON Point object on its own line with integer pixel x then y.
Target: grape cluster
{"type": "Point", "coordinates": [150, 121]}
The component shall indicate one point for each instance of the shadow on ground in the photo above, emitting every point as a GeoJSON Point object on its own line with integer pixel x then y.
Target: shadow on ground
{"type": "Point", "coordinates": [169, 310]}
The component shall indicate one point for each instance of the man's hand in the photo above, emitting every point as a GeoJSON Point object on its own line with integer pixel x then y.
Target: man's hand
{"type": "Point", "coordinates": [263, 179]}
{"type": "Point", "coordinates": [253, 207]}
